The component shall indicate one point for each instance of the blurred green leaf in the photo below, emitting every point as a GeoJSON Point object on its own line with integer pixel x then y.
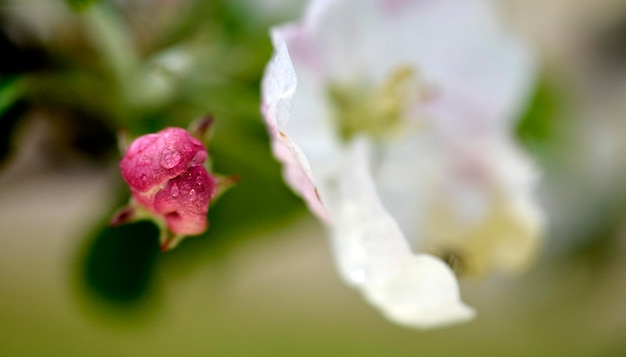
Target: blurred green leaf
{"type": "Point", "coordinates": [80, 5]}
{"type": "Point", "coordinates": [119, 265]}
{"type": "Point", "coordinates": [12, 109]}
{"type": "Point", "coordinates": [8, 124]}
{"type": "Point", "coordinates": [538, 126]}
{"type": "Point", "coordinates": [10, 90]}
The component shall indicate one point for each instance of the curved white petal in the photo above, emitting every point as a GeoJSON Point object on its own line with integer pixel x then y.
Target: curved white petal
{"type": "Point", "coordinates": [374, 256]}
{"type": "Point", "coordinates": [423, 294]}
{"type": "Point", "coordinates": [278, 87]}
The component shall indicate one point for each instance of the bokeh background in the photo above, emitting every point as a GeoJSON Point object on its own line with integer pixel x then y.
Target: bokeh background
{"type": "Point", "coordinates": [261, 281]}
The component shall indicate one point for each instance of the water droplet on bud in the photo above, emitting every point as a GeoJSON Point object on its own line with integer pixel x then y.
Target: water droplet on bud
{"type": "Point", "coordinates": [170, 158]}
{"type": "Point", "coordinates": [174, 190]}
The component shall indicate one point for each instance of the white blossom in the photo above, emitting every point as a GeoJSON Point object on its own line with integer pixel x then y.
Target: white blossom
{"type": "Point", "coordinates": [394, 121]}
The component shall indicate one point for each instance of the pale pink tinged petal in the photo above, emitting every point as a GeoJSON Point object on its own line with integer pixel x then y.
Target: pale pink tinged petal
{"type": "Point", "coordinates": [482, 206]}
{"type": "Point", "coordinates": [298, 174]}
{"type": "Point", "coordinates": [278, 87]}
{"type": "Point", "coordinates": [374, 256]}
{"type": "Point", "coordinates": [340, 33]}
{"type": "Point", "coordinates": [459, 48]}
{"type": "Point", "coordinates": [468, 55]}
{"type": "Point", "coordinates": [310, 123]}
{"type": "Point", "coordinates": [472, 178]}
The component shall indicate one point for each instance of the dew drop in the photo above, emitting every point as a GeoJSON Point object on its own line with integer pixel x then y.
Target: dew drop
{"type": "Point", "coordinates": [170, 158]}
{"type": "Point", "coordinates": [174, 190]}
{"type": "Point", "coordinates": [192, 194]}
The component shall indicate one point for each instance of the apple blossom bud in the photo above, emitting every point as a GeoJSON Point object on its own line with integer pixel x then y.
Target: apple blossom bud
{"type": "Point", "coordinates": [153, 159]}
{"type": "Point", "coordinates": [167, 178]}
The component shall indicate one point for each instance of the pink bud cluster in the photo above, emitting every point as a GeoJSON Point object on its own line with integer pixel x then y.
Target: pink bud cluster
{"type": "Point", "coordinates": [166, 175]}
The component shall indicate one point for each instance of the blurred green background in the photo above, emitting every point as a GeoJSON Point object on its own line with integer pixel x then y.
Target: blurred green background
{"type": "Point", "coordinates": [261, 281]}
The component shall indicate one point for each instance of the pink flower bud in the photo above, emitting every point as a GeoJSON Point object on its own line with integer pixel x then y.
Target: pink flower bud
{"type": "Point", "coordinates": [166, 175]}
{"type": "Point", "coordinates": [184, 201]}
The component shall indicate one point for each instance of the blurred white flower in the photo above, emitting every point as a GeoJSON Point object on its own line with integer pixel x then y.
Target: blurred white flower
{"type": "Point", "coordinates": [394, 120]}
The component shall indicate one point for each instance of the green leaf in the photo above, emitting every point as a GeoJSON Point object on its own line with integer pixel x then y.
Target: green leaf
{"type": "Point", "coordinates": [80, 5]}
{"type": "Point", "coordinates": [120, 262]}
{"type": "Point", "coordinates": [12, 109]}
{"type": "Point", "coordinates": [10, 91]}
{"type": "Point", "coordinates": [538, 126]}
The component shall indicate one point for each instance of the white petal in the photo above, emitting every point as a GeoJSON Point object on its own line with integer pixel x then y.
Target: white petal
{"type": "Point", "coordinates": [423, 294]}
{"type": "Point", "coordinates": [369, 243]}
{"type": "Point", "coordinates": [374, 256]}
{"type": "Point", "coordinates": [474, 198]}
{"type": "Point", "coordinates": [463, 51]}
{"type": "Point", "coordinates": [311, 122]}
{"type": "Point", "coordinates": [278, 88]}
{"type": "Point", "coordinates": [457, 45]}
{"type": "Point", "coordinates": [279, 85]}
